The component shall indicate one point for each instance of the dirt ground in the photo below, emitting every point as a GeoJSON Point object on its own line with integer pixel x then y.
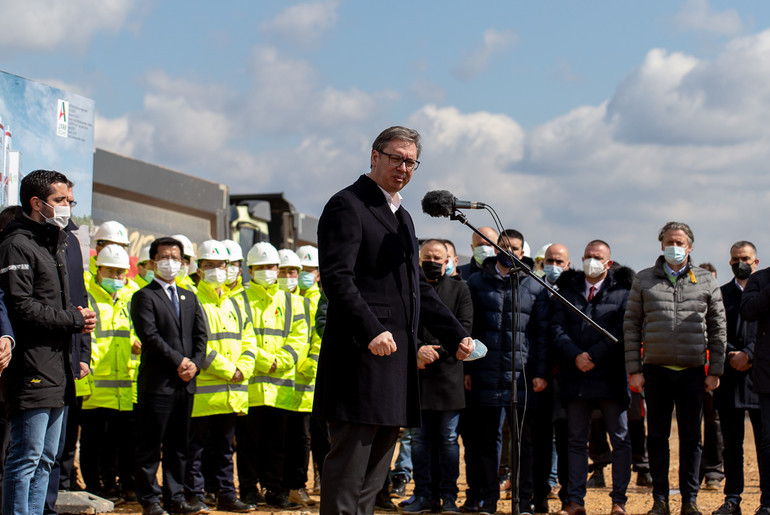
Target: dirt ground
{"type": "Point", "coordinates": [597, 500]}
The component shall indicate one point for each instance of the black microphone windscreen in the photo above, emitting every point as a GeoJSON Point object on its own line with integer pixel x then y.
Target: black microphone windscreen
{"type": "Point", "coordinates": [438, 203]}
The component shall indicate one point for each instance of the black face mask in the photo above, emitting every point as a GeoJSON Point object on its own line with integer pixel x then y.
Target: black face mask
{"type": "Point", "coordinates": [504, 260]}
{"type": "Point", "coordinates": [432, 270]}
{"type": "Point", "coordinates": [741, 270]}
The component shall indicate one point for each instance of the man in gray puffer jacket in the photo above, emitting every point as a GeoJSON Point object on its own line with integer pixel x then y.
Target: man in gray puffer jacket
{"type": "Point", "coordinates": [676, 309]}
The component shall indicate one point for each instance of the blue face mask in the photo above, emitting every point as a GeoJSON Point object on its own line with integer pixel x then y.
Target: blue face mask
{"type": "Point", "coordinates": [111, 285]}
{"type": "Point", "coordinates": [552, 272]}
{"type": "Point", "coordinates": [483, 252]}
{"type": "Point", "coordinates": [675, 255]}
{"type": "Point", "coordinates": [450, 267]}
{"type": "Point", "coordinates": [306, 280]}
{"type": "Point", "coordinates": [149, 276]}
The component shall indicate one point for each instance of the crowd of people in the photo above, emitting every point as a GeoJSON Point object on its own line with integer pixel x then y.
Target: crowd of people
{"type": "Point", "coordinates": [187, 363]}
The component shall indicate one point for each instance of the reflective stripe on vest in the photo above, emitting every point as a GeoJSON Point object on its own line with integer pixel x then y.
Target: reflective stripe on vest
{"type": "Point", "coordinates": [305, 387]}
{"type": "Point", "coordinates": [220, 388]}
{"type": "Point", "coordinates": [113, 383]}
{"type": "Point", "coordinates": [271, 380]}
{"type": "Point", "coordinates": [225, 335]}
{"type": "Point", "coordinates": [109, 333]}
{"type": "Point", "coordinates": [209, 360]}
{"type": "Point", "coordinates": [291, 351]}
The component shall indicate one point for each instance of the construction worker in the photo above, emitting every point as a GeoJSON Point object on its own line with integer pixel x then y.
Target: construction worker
{"type": "Point", "coordinates": [107, 418]}
{"type": "Point", "coordinates": [304, 387]}
{"type": "Point", "coordinates": [187, 276]}
{"type": "Point", "coordinates": [109, 233]}
{"type": "Point", "coordinates": [144, 272]}
{"type": "Point", "coordinates": [233, 282]}
{"type": "Point", "coordinates": [282, 338]}
{"type": "Point", "coordinates": [222, 386]}
{"type": "Point", "coordinates": [298, 424]}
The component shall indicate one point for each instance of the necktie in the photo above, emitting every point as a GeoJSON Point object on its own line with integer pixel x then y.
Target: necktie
{"type": "Point", "coordinates": [174, 298]}
{"type": "Point", "coordinates": [591, 293]}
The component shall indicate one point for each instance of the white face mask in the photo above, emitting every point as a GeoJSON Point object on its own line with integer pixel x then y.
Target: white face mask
{"type": "Point", "coordinates": [264, 277]}
{"type": "Point", "coordinates": [167, 269]}
{"type": "Point", "coordinates": [232, 273]}
{"type": "Point", "coordinates": [61, 215]}
{"type": "Point", "coordinates": [215, 277]}
{"type": "Point", "coordinates": [288, 283]}
{"type": "Point", "coordinates": [593, 267]}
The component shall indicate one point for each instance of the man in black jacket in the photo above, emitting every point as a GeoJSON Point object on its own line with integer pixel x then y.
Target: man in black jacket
{"type": "Point", "coordinates": [735, 396]}
{"type": "Point", "coordinates": [592, 373]}
{"type": "Point", "coordinates": [442, 393]}
{"type": "Point", "coordinates": [39, 379]}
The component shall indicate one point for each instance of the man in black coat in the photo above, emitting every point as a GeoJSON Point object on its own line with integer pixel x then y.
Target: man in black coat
{"type": "Point", "coordinates": [39, 380]}
{"type": "Point", "coordinates": [170, 323]}
{"type": "Point", "coordinates": [435, 450]}
{"type": "Point", "coordinates": [367, 385]}
{"type": "Point", "coordinates": [592, 372]}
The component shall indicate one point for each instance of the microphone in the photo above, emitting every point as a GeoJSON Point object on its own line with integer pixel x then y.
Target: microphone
{"type": "Point", "coordinates": [442, 203]}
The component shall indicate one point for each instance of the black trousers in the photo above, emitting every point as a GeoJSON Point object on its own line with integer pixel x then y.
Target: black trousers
{"type": "Point", "coordinates": [261, 437]}
{"type": "Point", "coordinates": [218, 432]}
{"type": "Point", "coordinates": [298, 450]}
{"type": "Point", "coordinates": [107, 449]}
{"type": "Point", "coordinates": [733, 422]}
{"type": "Point", "coordinates": [356, 467]}
{"type": "Point", "coordinates": [162, 423]}
{"type": "Point", "coordinates": [665, 388]}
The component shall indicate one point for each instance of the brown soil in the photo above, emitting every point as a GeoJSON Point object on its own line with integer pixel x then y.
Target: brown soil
{"type": "Point", "coordinates": [597, 500]}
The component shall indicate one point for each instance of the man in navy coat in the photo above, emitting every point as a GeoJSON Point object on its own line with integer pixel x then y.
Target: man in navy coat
{"type": "Point", "coordinates": [367, 383]}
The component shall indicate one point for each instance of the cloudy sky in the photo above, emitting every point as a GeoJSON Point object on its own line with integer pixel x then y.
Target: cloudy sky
{"type": "Point", "coordinates": [575, 120]}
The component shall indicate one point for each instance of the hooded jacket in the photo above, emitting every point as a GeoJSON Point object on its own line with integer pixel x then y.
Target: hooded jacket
{"type": "Point", "coordinates": [571, 336]}
{"type": "Point", "coordinates": [33, 274]}
{"type": "Point", "coordinates": [678, 322]}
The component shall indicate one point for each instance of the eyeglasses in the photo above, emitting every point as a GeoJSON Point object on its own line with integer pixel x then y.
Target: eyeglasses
{"type": "Point", "coordinates": [396, 161]}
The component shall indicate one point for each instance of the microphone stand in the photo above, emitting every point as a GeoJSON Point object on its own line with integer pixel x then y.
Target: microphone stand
{"type": "Point", "coordinates": [513, 271]}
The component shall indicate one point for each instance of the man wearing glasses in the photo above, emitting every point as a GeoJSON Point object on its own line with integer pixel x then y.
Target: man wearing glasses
{"type": "Point", "coordinates": [367, 383]}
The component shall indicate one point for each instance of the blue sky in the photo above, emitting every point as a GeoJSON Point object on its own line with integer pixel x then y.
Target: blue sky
{"type": "Point", "coordinates": [575, 120]}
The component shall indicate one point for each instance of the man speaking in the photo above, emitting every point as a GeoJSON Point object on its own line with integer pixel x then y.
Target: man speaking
{"type": "Point", "coordinates": [367, 384]}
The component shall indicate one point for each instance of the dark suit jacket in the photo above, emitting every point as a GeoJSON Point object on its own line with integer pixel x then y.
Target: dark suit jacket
{"type": "Point", "coordinates": [81, 342]}
{"type": "Point", "coordinates": [370, 273]}
{"type": "Point", "coordinates": [736, 388]}
{"type": "Point", "coordinates": [166, 338]}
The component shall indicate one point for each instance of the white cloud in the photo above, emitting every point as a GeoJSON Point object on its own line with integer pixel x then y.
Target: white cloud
{"type": "Point", "coordinates": [477, 60]}
{"type": "Point", "coordinates": [303, 24]}
{"type": "Point", "coordinates": [50, 24]}
{"type": "Point", "coordinates": [676, 99]}
{"type": "Point", "coordinates": [680, 138]}
{"type": "Point", "coordinates": [697, 15]}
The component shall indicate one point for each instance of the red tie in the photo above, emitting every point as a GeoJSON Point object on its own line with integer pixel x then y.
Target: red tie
{"type": "Point", "coordinates": [591, 293]}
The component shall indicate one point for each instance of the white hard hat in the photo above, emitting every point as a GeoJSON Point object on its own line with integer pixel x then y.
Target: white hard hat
{"type": "Point", "coordinates": [308, 255]}
{"type": "Point", "coordinates": [144, 254]}
{"type": "Point", "coordinates": [262, 253]}
{"type": "Point", "coordinates": [234, 251]}
{"type": "Point", "coordinates": [114, 256]}
{"type": "Point", "coordinates": [289, 259]}
{"type": "Point", "coordinates": [212, 249]}
{"type": "Point", "coordinates": [186, 243]}
{"type": "Point", "coordinates": [526, 249]}
{"type": "Point", "coordinates": [113, 232]}
{"type": "Point", "coordinates": [541, 253]}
